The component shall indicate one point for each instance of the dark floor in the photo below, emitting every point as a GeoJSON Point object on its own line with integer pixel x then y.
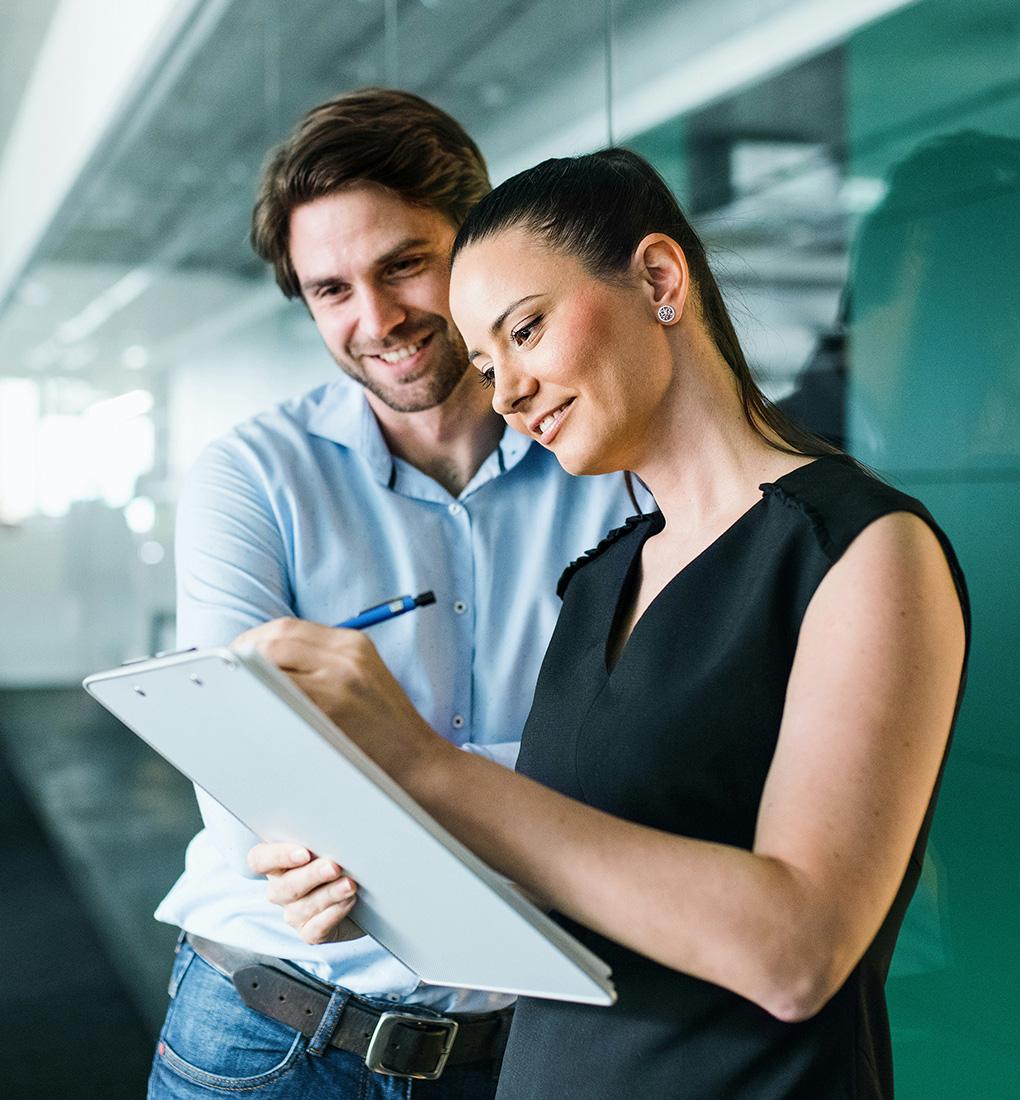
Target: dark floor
{"type": "Point", "coordinates": [93, 832]}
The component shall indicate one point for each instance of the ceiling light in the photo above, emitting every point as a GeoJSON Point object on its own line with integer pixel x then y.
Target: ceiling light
{"type": "Point", "coordinates": [140, 515]}
{"type": "Point", "coordinates": [135, 357]}
{"type": "Point", "coordinates": [859, 194]}
{"type": "Point", "coordinates": [125, 406]}
{"type": "Point", "coordinates": [151, 552]}
{"type": "Point", "coordinates": [103, 307]}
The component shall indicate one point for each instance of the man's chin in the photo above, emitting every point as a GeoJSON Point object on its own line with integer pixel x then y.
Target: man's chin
{"type": "Point", "coordinates": [416, 393]}
{"type": "Point", "coordinates": [412, 395]}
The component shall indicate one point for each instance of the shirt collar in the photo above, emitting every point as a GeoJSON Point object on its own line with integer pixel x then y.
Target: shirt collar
{"type": "Point", "coordinates": [344, 416]}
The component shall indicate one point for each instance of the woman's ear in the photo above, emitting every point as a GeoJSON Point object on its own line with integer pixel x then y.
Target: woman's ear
{"type": "Point", "coordinates": [661, 266]}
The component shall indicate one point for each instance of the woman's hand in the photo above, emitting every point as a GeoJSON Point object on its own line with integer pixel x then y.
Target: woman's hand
{"type": "Point", "coordinates": [343, 674]}
{"type": "Point", "coordinates": [315, 894]}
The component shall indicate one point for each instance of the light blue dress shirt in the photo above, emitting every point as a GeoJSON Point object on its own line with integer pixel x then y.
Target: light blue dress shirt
{"type": "Point", "coordinates": [303, 511]}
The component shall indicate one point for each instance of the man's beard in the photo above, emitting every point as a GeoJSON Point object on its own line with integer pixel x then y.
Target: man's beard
{"type": "Point", "coordinates": [440, 377]}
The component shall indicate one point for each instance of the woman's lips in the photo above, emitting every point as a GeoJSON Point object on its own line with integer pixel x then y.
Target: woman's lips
{"type": "Point", "coordinates": [547, 426]}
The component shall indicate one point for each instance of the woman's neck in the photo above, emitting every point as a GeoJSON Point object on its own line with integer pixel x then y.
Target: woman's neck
{"type": "Point", "coordinates": [705, 461]}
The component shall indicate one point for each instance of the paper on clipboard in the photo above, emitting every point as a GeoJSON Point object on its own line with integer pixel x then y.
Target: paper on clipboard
{"type": "Point", "coordinates": [241, 730]}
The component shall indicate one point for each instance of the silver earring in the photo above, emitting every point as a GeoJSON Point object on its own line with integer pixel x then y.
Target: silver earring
{"type": "Point", "coordinates": [666, 314]}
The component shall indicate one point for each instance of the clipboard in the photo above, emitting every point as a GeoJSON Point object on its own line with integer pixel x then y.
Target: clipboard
{"type": "Point", "coordinates": [239, 728]}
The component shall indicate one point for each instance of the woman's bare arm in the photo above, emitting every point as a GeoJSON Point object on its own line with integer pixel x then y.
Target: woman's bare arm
{"type": "Point", "coordinates": [868, 710]}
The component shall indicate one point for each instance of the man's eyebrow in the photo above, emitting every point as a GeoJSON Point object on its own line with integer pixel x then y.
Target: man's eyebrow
{"type": "Point", "coordinates": [310, 285]}
{"type": "Point", "coordinates": [498, 323]}
{"type": "Point", "coordinates": [381, 261]}
{"type": "Point", "coordinates": [400, 247]}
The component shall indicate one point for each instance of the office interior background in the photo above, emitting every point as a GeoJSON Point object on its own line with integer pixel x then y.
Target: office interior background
{"type": "Point", "coordinates": [855, 170]}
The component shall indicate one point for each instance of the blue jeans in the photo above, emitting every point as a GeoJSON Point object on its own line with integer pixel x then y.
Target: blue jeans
{"type": "Point", "coordinates": [213, 1044]}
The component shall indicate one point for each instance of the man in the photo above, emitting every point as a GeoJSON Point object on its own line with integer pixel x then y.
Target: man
{"type": "Point", "coordinates": [396, 479]}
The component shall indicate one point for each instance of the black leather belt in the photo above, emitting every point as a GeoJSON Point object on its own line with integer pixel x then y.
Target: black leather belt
{"type": "Point", "coordinates": [400, 1043]}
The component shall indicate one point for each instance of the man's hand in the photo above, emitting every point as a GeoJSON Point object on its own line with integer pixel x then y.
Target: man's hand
{"type": "Point", "coordinates": [314, 893]}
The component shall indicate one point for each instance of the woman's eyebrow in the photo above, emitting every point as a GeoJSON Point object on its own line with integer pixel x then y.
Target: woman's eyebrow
{"type": "Point", "coordinates": [498, 323]}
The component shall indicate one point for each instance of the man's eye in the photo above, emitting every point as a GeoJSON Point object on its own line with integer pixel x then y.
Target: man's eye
{"type": "Point", "coordinates": [487, 378]}
{"type": "Point", "coordinates": [407, 266]}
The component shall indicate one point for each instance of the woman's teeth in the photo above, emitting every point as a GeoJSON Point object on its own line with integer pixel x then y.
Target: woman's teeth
{"type": "Point", "coordinates": [399, 354]}
{"type": "Point", "coordinates": [551, 419]}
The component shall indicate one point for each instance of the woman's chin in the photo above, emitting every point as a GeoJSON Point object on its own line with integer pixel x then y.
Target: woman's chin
{"type": "Point", "coordinates": [584, 465]}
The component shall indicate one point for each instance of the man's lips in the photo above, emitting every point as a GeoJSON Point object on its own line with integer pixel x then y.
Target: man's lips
{"type": "Point", "coordinates": [547, 424]}
{"type": "Point", "coordinates": [400, 355]}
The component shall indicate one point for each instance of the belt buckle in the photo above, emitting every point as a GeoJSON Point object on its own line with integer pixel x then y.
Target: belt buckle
{"type": "Point", "coordinates": [383, 1034]}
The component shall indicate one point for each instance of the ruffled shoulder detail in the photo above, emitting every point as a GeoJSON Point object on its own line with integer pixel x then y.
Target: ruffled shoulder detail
{"type": "Point", "coordinates": [590, 555]}
{"type": "Point", "coordinates": [810, 513]}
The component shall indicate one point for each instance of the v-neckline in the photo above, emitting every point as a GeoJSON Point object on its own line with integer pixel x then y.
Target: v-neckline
{"type": "Point", "coordinates": [624, 592]}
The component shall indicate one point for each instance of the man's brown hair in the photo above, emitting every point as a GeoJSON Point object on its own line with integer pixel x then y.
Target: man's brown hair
{"type": "Point", "coordinates": [374, 135]}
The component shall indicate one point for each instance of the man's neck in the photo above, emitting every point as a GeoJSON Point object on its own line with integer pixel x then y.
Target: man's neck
{"type": "Point", "coordinates": [448, 442]}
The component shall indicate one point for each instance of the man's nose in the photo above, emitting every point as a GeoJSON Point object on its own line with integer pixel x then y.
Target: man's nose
{"type": "Point", "coordinates": [379, 313]}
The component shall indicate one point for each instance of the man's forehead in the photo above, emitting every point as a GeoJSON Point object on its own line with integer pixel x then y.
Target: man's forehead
{"type": "Point", "coordinates": [363, 227]}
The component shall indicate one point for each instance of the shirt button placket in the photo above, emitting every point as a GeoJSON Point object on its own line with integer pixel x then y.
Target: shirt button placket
{"type": "Point", "coordinates": [461, 698]}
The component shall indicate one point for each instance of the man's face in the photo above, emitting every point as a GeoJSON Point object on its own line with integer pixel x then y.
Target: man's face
{"type": "Point", "coordinates": [374, 272]}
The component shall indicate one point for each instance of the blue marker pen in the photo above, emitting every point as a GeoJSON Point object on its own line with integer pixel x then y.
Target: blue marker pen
{"type": "Point", "coordinates": [388, 610]}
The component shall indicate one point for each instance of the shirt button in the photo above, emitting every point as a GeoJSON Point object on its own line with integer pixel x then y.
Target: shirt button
{"type": "Point", "coordinates": [458, 721]}
{"type": "Point", "coordinates": [460, 607]}
{"type": "Point", "coordinates": [455, 509]}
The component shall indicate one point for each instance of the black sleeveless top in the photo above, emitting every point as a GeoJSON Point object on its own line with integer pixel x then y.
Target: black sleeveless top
{"type": "Point", "coordinates": [680, 736]}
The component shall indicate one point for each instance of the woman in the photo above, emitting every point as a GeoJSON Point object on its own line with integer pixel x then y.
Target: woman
{"type": "Point", "coordinates": [730, 764]}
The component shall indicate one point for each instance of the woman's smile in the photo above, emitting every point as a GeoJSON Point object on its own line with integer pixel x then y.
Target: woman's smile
{"type": "Point", "coordinates": [546, 427]}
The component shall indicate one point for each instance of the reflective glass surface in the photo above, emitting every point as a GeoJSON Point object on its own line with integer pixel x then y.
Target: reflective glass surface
{"type": "Point", "coordinates": [872, 194]}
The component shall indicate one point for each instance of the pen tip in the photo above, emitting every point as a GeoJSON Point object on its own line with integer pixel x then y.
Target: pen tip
{"type": "Point", "coordinates": [424, 599]}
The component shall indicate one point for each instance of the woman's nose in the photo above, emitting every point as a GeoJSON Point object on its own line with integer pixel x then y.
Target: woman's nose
{"type": "Point", "coordinates": [513, 392]}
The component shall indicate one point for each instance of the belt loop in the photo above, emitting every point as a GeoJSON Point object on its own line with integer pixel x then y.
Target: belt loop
{"type": "Point", "coordinates": [327, 1025]}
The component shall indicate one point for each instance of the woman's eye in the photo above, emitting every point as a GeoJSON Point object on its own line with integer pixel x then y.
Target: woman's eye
{"type": "Point", "coordinates": [487, 378]}
{"type": "Point", "coordinates": [522, 335]}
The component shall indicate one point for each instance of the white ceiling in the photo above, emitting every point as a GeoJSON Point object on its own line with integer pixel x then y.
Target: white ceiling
{"type": "Point", "coordinates": [23, 25]}
{"type": "Point", "coordinates": [165, 205]}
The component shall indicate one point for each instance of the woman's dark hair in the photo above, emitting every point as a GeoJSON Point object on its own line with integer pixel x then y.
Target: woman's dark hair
{"type": "Point", "coordinates": [598, 208]}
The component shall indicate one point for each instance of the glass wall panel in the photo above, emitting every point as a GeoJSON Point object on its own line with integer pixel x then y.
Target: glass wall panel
{"type": "Point", "coordinates": [526, 79]}
{"type": "Point", "coordinates": [933, 99]}
{"type": "Point", "coordinates": [863, 208]}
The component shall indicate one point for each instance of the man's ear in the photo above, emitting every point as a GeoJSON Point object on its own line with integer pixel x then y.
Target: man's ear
{"type": "Point", "coordinates": [660, 264]}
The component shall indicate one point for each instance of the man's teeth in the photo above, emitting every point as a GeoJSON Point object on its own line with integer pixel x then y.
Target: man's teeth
{"type": "Point", "coordinates": [400, 353]}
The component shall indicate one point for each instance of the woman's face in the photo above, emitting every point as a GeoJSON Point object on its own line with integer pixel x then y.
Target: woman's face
{"type": "Point", "coordinates": [579, 364]}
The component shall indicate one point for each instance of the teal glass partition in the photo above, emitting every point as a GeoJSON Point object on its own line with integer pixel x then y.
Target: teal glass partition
{"type": "Point", "coordinates": [873, 194]}
{"type": "Point", "coordinates": [934, 402]}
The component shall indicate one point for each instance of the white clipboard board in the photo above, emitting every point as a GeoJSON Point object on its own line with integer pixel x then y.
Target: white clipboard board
{"type": "Point", "coordinates": [241, 730]}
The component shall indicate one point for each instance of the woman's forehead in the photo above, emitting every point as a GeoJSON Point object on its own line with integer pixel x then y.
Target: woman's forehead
{"type": "Point", "coordinates": [508, 258]}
